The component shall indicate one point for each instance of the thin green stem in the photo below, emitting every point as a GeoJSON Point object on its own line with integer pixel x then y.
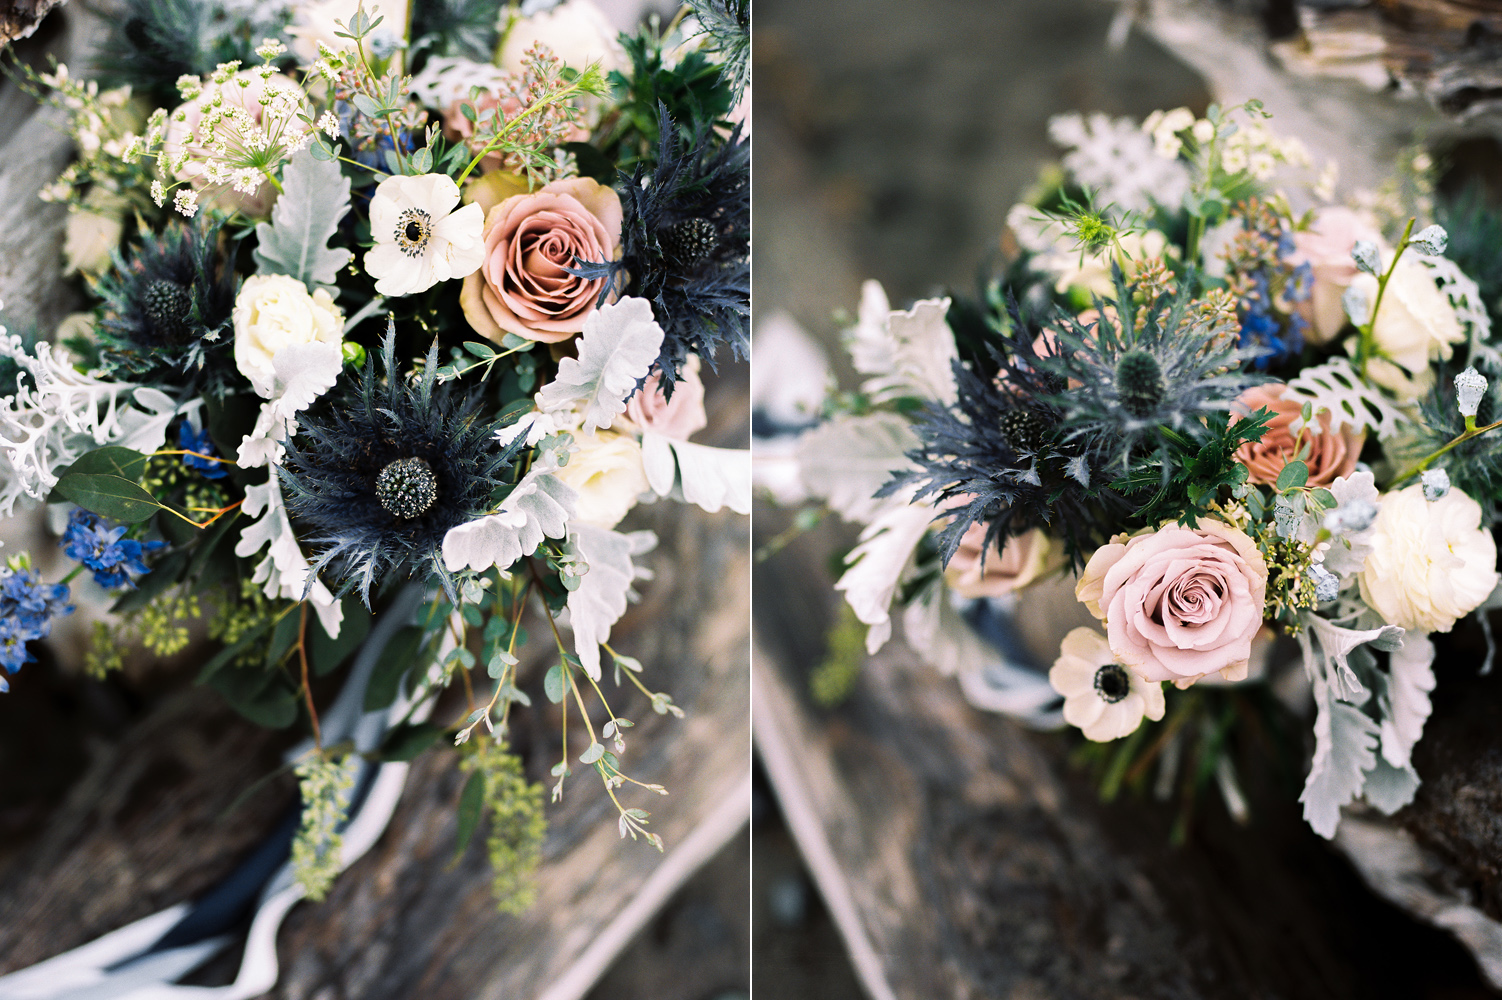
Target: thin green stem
{"type": "Point", "coordinates": [571, 91]}
{"type": "Point", "coordinates": [1366, 344]}
{"type": "Point", "coordinates": [1471, 431]}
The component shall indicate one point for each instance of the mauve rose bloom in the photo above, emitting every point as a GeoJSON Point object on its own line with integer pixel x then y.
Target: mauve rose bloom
{"type": "Point", "coordinates": [1326, 247]}
{"type": "Point", "coordinates": [1019, 562]}
{"type": "Point", "coordinates": [678, 418]}
{"type": "Point", "coordinates": [523, 287]}
{"type": "Point", "coordinates": [1330, 455]}
{"type": "Point", "coordinates": [1179, 603]}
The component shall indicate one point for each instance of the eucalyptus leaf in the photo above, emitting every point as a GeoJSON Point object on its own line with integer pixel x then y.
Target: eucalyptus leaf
{"type": "Point", "coordinates": [110, 496]}
{"type": "Point", "coordinates": [1294, 475]}
{"type": "Point", "coordinates": [471, 800]}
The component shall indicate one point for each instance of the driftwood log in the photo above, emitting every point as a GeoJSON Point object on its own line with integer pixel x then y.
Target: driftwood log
{"type": "Point", "coordinates": [962, 856]}
{"type": "Point", "coordinates": [119, 798]}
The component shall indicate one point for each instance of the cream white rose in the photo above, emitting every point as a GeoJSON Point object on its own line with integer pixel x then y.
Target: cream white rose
{"type": "Point", "coordinates": [1415, 325]}
{"type": "Point", "coordinates": [274, 312]}
{"type": "Point", "coordinates": [607, 474]}
{"type": "Point", "coordinates": [577, 32]}
{"type": "Point", "coordinates": [1431, 563]}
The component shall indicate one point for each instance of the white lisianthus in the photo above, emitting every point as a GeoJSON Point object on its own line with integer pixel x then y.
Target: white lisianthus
{"type": "Point", "coordinates": [1415, 325]}
{"type": "Point", "coordinates": [419, 239]}
{"type": "Point", "coordinates": [606, 472]}
{"type": "Point", "coordinates": [1431, 563]}
{"type": "Point", "coordinates": [1102, 697]}
{"type": "Point", "coordinates": [577, 32]}
{"type": "Point", "coordinates": [274, 312]}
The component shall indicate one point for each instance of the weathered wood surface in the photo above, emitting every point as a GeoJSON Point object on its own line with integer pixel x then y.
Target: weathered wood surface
{"type": "Point", "coordinates": [146, 825]}
{"type": "Point", "coordinates": [964, 857]}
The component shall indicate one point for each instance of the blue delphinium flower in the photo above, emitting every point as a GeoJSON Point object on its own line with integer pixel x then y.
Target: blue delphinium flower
{"type": "Point", "coordinates": [105, 550]}
{"type": "Point", "coordinates": [27, 607]}
{"type": "Point", "coordinates": [199, 441]}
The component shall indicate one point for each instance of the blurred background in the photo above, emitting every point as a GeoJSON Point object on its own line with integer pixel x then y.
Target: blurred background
{"type": "Point", "coordinates": [891, 139]}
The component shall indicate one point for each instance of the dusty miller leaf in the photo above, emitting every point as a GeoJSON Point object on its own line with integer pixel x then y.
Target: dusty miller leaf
{"type": "Point", "coordinates": [846, 460]}
{"type": "Point", "coordinates": [603, 592]}
{"type": "Point", "coordinates": [315, 197]}
{"type": "Point", "coordinates": [616, 350]}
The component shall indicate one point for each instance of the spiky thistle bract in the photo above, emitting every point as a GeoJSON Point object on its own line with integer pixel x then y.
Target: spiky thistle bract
{"type": "Point", "coordinates": [1001, 455]}
{"type": "Point", "coordinates": [686, 244]}
{"type": "Point", "coordinates": [167, 308]}
{"type": "Point", "coordinates": [381, 471]}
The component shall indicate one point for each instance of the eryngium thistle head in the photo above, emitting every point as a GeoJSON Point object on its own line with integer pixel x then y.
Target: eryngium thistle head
{"type": "Point", "coordinates": [1000, 456]}
{"type": "Point", "coordinates": [686, 245]}
{"type": "Point", "coordinates": [167, 310]}
{"type": "Point", "coordinates": [381, 472]}
{"type": "Point", "coordinates": [1144, 369]}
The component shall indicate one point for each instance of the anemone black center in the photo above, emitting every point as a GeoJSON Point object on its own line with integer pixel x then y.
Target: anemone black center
{"type": "Point", "coordinates": [1139, 383]}
{"type": "Point", "coordinates": [413, 229]}
{"type": "Point", "coordinates": [167, 305]}
{"type": "Point", "coordinates": [407, 487]}
{"type": "Point", "coordinates": [1112, 683]}
{"type": "Point", "coordinates": [690, 241]}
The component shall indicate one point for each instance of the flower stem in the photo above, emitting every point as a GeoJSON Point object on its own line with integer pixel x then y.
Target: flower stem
{"type": "Point", "coordinates": [1471, 431]}
{"type": "Point", "coordinates": [1366, 346]}
{"type": "Point", "coordinates": [307, 690]}
{"type": "Point", "coordinates": [572, 90]}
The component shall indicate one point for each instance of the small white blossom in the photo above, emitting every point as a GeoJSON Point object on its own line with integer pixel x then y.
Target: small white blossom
{"type": "Point", "coordinates": [330, 124]}
{"type": "Point", "coordinates": [186, 202]}
{"type": "Point", "coordinates": [158, 193]}
{"type": "Point", "coordinates": [1470, 388]}
{"type": "Point", "coordinates": [1431, 240]}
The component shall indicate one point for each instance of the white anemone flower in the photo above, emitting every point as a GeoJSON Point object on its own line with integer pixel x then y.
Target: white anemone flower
{"type": "Point", "coordinates": [1101, 697]}
{"type": "Point", "coordinates": [419, 239]}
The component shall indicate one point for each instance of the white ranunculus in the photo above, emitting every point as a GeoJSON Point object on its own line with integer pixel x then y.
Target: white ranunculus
{"type": "Point", "coordinates": [419, 239]}
{"type": "Point", "coordinates": [1101, 696]}
{"type": "Point", "coordinates": [577, 32]}
{"type": "Point", "coordinates": [1431, 563]}
{"type": "Point", "coordinates": [1415, 325]}
{"type": "Point", "coordinates": [607, 474]}
{"type": "Point", "coordinates": [274, 312]}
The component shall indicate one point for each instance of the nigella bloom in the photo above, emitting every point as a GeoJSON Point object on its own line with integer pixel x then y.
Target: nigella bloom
{"type": "Point", "coordinates": [27, 607]}
{"type": "Point", "coordinates": [685, 245]}
{"type": "Point", "coordinates": [419, 239]}
{"type": "Point", "coordinates": [379, 475]}
{"type": "Point", "coordinates": [167, 309]}
{"type": "Point", "coordinates": [104, 549]}
{"type": "Point", "coordinates": [198, 441]}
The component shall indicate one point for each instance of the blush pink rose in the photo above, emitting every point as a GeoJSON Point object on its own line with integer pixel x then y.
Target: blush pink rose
{"type": "Point", "coordinates": [530, 239]}
{"type": "Point", "coordinates": [1011, 567]}
{"type": "Point", "coordinates": [678, 418]}
{"type": "Point", "coordinates": [1179, 603]}
{"type": "Point", "coordinates": [1331, 455]}
{"type": "Point", "coordinates": [1326, 247]}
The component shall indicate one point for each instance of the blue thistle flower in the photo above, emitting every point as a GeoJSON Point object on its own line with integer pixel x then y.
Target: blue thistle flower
{"type": "Point", "coordinates": [199, 441]}
{"type": "Point", "coordinates": [377, 477]}
{"type": "Point", "coordinates": [105, 550]}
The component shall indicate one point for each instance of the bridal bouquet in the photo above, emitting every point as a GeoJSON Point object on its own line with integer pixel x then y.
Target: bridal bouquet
{"type": "Point", "coordinates": [1234, 410]}
{"type": "Point", "coordinates": [380, 299]}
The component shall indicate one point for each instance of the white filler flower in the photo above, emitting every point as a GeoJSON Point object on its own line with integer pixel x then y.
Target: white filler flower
{"type": "Point", "coordinates": [419, 239]}
{"type": "Point", "coordinates": [1103, 698]}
